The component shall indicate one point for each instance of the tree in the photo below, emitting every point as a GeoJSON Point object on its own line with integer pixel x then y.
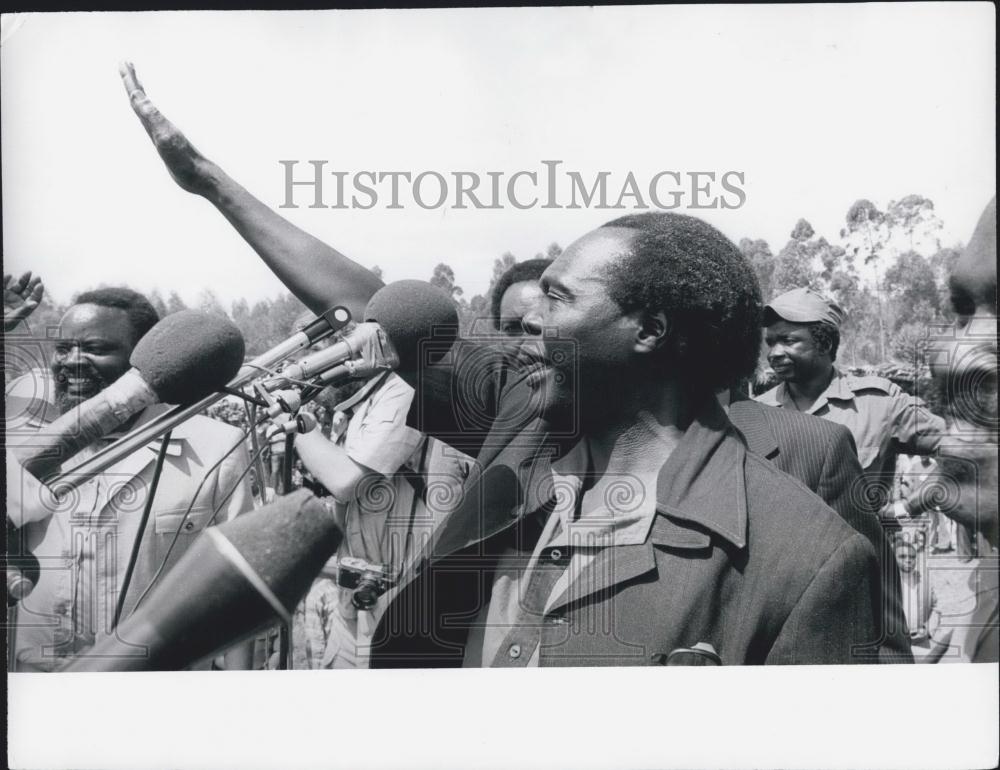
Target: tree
{"type": "Point", "coordinates": [793, 267]}
{"type": "Point", "coordinates": [175, 303]}
{"type": "Point", "coordinates": [908, 225]}
{"type": "Point", "coordinates": [156, 300]}
{"type": "Point", "coordinates": [501, 266]}
{"type": "Point", "coordinates": [911, 284]}
{"type": "Point", "coordinates": [913, 218]}
{"type": "Point", "coordinates": [552, 252]}
{"type": "Point", "coordinates": [758, 254]}
{"type": "Point", "coordinates": [866, 235]}
{"type": "Point", "coordinates": [208, 302]}
{"type": "Point", "coordinates": [942, 263]}
{"type": "Point", "coordinates": [444, 279]}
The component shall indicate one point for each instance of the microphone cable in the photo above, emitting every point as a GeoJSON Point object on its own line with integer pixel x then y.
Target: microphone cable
{"type": "Point", "coordinates": [187, 512]}
{"type": "Point", "coordinates": [137, 543]}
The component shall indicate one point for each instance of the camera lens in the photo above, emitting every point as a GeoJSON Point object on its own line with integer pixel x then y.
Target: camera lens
{"type": "Point", "coordinates": [366, 595]}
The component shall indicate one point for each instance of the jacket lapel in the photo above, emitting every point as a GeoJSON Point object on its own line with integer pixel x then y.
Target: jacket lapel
{"type": "Point", "coordinates": [609, 568]}
{"type": "Point", "coordinates": [751, 420]}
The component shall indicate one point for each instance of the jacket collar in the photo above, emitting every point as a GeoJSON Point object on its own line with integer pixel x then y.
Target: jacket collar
{"type": "Point", "coordinates": [838, 390]}
{"type": "Point", "coordinates": [702, 483]}
{"type": "Point", "coordinates": [701, 489]}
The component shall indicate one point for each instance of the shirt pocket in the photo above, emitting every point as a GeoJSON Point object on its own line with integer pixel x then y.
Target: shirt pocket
{"type": "Point", "coordinates": [168, 524]}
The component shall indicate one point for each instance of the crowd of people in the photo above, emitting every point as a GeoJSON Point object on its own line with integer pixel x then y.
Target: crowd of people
{"type": "Point", "coordinates": [636, 497]}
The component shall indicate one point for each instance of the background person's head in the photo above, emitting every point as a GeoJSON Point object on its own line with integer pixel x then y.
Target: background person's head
{"type": "Point", "coordinates": [906, 556]}
{"type": "Point", "coordinates": [648, 300]}
{"type": "Point", "coordinates": [96, 338]}
{"type": "Point", "coordinates": [515, 294]}
{"type": "Point", "coordinates": [964, 363]}
{"type": "Point", "coordinates": [802, 334]}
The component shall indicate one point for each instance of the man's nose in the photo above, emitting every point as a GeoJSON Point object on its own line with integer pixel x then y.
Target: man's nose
{"type": "Point", "coordinates": [532, 323]}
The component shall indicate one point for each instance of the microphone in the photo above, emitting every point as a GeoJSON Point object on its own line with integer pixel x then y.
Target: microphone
{"type": "Point", "coordinates": [398, 318]}
{"type": "Point", "coordinates": [367, 340]}
{"type": "Point", "coordinates": [184, 357]}
{"type": "Point", "coordinates": [235, 579]}
{"type": "Point", "coordinates": [414, 313]}
{"type": "Point", "coordinates": [331, 321]}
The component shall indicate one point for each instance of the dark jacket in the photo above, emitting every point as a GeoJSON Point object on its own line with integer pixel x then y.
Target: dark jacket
{"type": "Point", "coordinates": [821, 454]}
{"type": "Point", "coordinates": [740, 556]}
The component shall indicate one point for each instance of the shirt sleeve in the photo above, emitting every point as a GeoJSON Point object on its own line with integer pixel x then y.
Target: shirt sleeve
{"type": "Point", "coordinates": [915, 427]}
{"type": "Point", "coordinates": [378, 436]}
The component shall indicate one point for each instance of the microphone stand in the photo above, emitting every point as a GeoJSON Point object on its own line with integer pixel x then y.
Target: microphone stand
{"type": "Point", "coordinates": [285, 632]}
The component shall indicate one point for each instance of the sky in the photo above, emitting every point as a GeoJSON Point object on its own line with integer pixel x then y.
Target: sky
{"type": "Point", "coordinates": [817, 106]}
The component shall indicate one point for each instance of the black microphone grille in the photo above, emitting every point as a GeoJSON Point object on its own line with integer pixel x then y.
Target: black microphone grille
{"type": "Point", "coordinates": [411, 313]}
{"type": "Point", "coordinates": [189, 355]}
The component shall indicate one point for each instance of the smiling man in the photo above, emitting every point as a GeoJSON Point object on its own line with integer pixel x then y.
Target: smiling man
{"type": "Point", "coordinates": [802, 335]}
{"type": "Point", "coordinates": [85, 544]}
{"type": "Point", "coordinates": [97, 336]}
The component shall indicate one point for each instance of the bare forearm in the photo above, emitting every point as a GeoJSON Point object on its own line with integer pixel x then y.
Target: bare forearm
{"type": "Point", "coordinates": [331, 465]}
{"type": "Point", "coordinates": [318, 274]}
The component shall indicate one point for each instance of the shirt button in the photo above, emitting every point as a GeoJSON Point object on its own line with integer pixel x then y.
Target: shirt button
{"type": "Point", "coordinates": [189, 526]}
{"type": "Point", "coordinates": [555, 554]}
{"type": "Point", "coordinates": [514, 651]}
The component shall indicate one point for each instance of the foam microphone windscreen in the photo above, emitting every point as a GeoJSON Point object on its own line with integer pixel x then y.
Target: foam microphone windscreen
{"type": "Point", "coordinates": [189, 355]}
{"type": "Point", "coordinates": [235, 579]}
{"type": "Point", "coordinates": [414, 315]}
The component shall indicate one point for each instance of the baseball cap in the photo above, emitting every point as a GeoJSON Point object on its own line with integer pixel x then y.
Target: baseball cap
{"type": "Point", "coordinates": [804, 306]}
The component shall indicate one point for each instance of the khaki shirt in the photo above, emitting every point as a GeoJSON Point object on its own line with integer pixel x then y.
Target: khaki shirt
{"type": "Point", "coordinates": [389, 523]}
{"type": "Point", "coordinates": [883, 419]}
{"type": "Point", "coordinates": [83, 541]}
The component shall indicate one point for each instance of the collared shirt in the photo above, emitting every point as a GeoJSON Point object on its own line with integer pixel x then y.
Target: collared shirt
{"type": "Point", "coordinates": [387, 524]}
{"type": "Point", "coordinates": [919, 599]}
{"type": "Point", "coordinates": [883, 419]}
{"type": "Point", "coordinates": [84, 545]}
{"type": "Point", "coordinates": [584, 524]}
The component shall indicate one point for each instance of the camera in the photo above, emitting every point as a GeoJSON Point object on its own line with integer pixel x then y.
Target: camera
{"type": "Point", "coordinates": [367, 581]}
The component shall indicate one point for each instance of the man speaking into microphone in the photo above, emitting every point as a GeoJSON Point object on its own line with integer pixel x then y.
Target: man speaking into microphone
{"type": "Point", "coordinates": [657, 528]}
{"type": "Point", "coordinates": [85, 546]}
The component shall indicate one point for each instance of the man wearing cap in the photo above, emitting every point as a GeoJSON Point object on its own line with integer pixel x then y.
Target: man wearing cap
{"type": "Point", "coordinates": [802, 332]}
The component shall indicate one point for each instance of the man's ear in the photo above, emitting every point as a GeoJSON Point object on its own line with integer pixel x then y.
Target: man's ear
{"type": "Point", "coordinates": [651, 331]}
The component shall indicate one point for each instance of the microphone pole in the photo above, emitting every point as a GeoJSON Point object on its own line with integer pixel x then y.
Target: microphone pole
{"type": "Point", "coordinates": [285, 630]}
{"type": "Point", "coordinates": [329, 323]}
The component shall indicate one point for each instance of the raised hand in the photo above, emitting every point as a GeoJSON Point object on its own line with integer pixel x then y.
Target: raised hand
{"type": "Point", "coordinates": [189, 168]}
{"type": "Point", "coordinates": [20, 298]}
{"type": "Point", "coordinates": [319, 275]}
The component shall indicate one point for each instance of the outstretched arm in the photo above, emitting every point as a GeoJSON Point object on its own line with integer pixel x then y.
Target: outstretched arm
{"type": "Point", "coordinates": [319, 275]}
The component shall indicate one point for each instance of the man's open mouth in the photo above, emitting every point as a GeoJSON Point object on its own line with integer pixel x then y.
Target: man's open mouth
{"type": "Point", "coordinates": [76, 385]}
